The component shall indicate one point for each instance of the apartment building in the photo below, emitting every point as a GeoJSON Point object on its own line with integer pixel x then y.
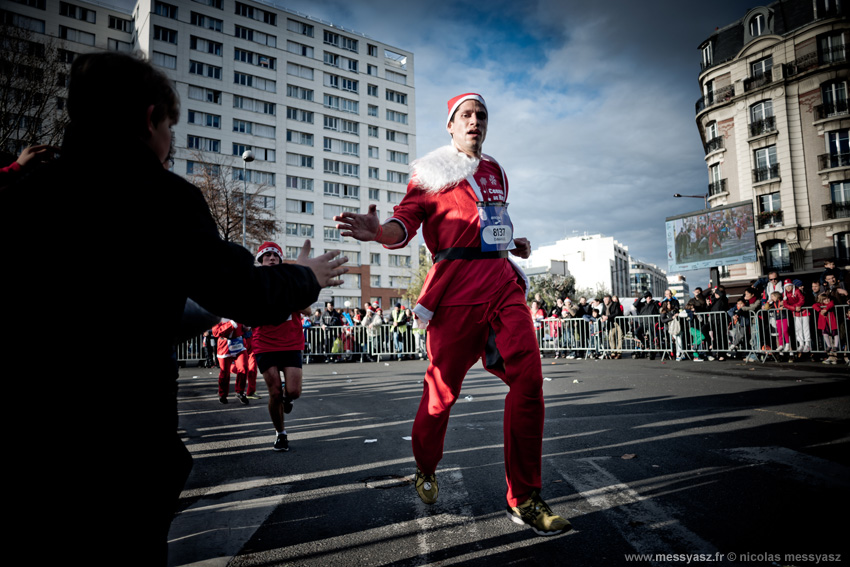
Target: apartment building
{"type": "Point", "coordinates": [774, 122]}
{"type": "Point", "coordinates": [327, 112]}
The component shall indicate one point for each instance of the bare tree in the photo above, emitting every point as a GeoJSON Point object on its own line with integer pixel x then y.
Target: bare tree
{"type": "Point", "coordinates": [32, 87]}
{"type": "Point", "coordinates": [222, 185]}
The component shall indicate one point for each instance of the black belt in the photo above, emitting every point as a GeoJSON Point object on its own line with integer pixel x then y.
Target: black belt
{"type": "Point", "coordinates": [468, 254]}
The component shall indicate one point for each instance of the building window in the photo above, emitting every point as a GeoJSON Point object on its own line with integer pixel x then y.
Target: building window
{"type": "Point", "coordinates": [294, 206]}
{"type": "Point", "coordinates": [302, 183]}
{"type": "Point", "coordinates": [834, 96]}
{"type": "Point", "coordinates": [838, 148]}
{"type": "Point", "coordinates": [301, 138]}
{"type": "Point", "coordinates": [757, 25]}
{"type": "Point", "coordinates": [374, 194]}
{"type": "Point", "coordinates": [203, 144]}
{"type": "Point", "coordinates": [77, 12]}
{"type": "Point", "coordinates": [204, 119]}
{"type": "Point", "coordinates": [299, 27]}
{"type": "Point", "coordinates": [299, 229]}
{"type": "Point", "coordinates": [256, 14]}
{"type": "Point", "coordinates": [394, 116]}
{"type": "Point", "coordinates": [299, 115]}
{"type": "Point", "coordinates": [254, 58]}
{"type": "Point", "coordinates": [839, 208]}
{"type": "Point", "coordinates": [205, 70]}
{"type": "Point", "coordinates": [396, 77]}
{"type": "Point", "coordinates": [374, 173]}
{"type": "Point", "coordinates": [120, 24]}
{"type": "Point", "coordinates": [707, 56]}
{"type": "Point", "coordinates": [299, 160]}
{"type": "Point", "coordinates": [832, 48]}
{"type": "Point", "coordinates": [211, 3]}
{"type": "Point", "coordinates": [761, 118]}
{"type": "Point", "coordinates": [766, 165]}
{"type": "Point", "coordinates": [777, 256]}
{"type": "Point", "coordinates": [254, 105]}
{"type": "Point", "coordinates": [397, 261]}
{"type": "Point", "coordinates": [165, 10]}
{"type": "Point", "coordinates": [299, 71]}
{"type": "Point", "coordinates": [375, 259]}
{"type": "Point", "coordinates": [168, 61]}
{"type": "Point", "coordinates": [299, 92]}
{"type": "Point", "coordinates": [252, 81]}
{"type": "Point", "coordinates": [340, 41]}
{"type": "Point", "coordinates": [165, 34]}
{"type": "Point", "coordinates": [205, 45]}
{"type": "Point", "coordinates": [255, 36]}
{"type": "Point", "coordinates": [207, 22]}
{"type": "Point", "coordinates": [770, 210]}
{"type": "Point", "coordinates": [394, 96]}
{"type": "Point", "coordinates": [299, 49]}
{"type": "Point", "coordinates": [841, 245]}
{"type": "Point", "coordinates": [201, 93]}
{"type": "Point", "coordinates": [77, 36]}
{"type": "Point", "coordinates": [372, 90]}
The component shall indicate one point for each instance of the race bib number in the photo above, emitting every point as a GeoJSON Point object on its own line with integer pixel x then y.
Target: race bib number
{"type": "Point", "coordinates": [496, 228]}
{"type": "Point", "coordinates": [235, 346]}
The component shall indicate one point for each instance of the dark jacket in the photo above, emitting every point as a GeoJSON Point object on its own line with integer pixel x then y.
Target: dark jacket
{"type": "Point", "coordinates": [644, 307]}
{"type": "Point", "coordinates": [108, 240]}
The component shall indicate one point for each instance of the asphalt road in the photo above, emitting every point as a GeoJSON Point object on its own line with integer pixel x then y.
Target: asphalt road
{"type": "Point", "coordinates": [654, 463]}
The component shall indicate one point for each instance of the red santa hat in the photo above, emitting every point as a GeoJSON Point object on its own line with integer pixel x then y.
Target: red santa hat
{"type": "Point", "coordinates": [269, 247]}
{"type": "Point", "coordinates": [460, 99]}
{"type": "Point", "coordinates": [787, 283]}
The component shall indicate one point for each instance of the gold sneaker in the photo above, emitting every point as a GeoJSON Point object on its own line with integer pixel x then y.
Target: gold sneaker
{"type": "Point", "coordinates": [426, 486]}
{"type": "Point", "coordinates": [537, 514]}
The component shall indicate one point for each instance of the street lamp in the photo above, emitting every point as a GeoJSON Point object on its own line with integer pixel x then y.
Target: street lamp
{"type": "Point", "coordinates": [247, 156]}
{"type": "Point", "coordinates": [703, 197]}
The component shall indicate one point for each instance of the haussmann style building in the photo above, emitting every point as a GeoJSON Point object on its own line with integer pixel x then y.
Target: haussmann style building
{"type": "Point", "coordinates": [774, 121]}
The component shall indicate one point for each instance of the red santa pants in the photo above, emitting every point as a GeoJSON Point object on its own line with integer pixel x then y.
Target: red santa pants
{"type": "Point", "coordinates": [457, 337]}
{"type": "Point", "coordinates": [247, 364]}
{"type": "Point", "coordinates": [224, 374]}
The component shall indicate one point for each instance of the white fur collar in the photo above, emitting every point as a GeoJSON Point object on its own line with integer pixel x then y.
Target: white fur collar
{"type": "Point", "coordinates": [442, 168]}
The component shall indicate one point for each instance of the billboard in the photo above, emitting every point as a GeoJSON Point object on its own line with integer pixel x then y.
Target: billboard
{"type": "Point", "coordinates": [719, 236]}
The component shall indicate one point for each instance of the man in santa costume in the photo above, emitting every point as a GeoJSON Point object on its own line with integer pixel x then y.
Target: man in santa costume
{"type": "Point", "coordinates": [278, 349]}
{"type": "Point", "coordinates": [474, 300]}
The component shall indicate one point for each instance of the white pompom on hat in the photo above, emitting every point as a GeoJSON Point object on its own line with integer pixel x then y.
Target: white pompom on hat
{"type": "Point", "coordinates": [269, 247]}
{"type": "Point", "coordinates": [460, 99]}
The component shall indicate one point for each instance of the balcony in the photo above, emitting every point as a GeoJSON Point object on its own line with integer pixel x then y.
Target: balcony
{"type": "Point", "coordinates": [721, 95]}
{"type": "Point", "coordinates": [829, 161]}
{"type": "Point", "coordinates": [714, 144]}
{"type": "Point", "coordinates": [813, 60]}
{"type": "Point", "coordinates": [717, 187]}
{"type": "Point", "coordinates": [831, 109]}
{"type": "Point", "coordinates": [836, 211]}
{"type": "Point", "coordinates": [769, 219]}
{"type": "Point", "coordinates": [765, 173]}
{"type": "Point", "coordinates": [758, 81]}
{"type": "Point", "coordinates": [764, 126]}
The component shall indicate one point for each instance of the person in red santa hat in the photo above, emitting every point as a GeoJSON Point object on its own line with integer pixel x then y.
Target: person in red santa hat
{"type": "Point", "coordinates": [474, 300]}
{"type": "Point", "coordinates": [278, 350]}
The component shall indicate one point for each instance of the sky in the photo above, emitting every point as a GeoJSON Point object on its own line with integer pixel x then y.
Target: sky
{"type": "Point", "coordinates": [591, 103]}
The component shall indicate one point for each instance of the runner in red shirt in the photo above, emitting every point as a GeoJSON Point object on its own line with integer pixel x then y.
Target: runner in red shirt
{"type": "Point", "coordinates": [277, 349]}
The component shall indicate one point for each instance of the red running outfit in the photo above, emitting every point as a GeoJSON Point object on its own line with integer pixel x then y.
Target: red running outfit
{"type": "Point", "coordinates": [229, 354]}
{"type": "Point", "coordinates": [467, 302]}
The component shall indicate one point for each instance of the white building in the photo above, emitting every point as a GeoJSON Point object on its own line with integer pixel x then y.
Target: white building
{"type": "Point", "coordinates": [595, 261]}
{"type": "Point", "coordinates": [328, 112]}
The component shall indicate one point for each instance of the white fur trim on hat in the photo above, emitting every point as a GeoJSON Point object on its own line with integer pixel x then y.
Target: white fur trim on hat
{"type": "Point", "coordinates": [269, 247]}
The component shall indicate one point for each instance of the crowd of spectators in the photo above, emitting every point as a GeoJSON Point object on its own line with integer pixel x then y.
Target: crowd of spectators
{"type": "Point", "coordinates": [778, 317]}
{"type": "Point", "coordinates": [348, 333]}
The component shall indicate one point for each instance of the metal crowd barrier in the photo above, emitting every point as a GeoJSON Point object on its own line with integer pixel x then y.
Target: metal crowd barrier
{"type": "Point", "coordinates": [763, 336]}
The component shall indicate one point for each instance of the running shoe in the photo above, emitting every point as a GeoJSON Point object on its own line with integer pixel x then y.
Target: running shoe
{"type": "Point", "coordinates": [537, 514]}
{"type": "Point", "coordinates": [426, 486]}
{"type": "Point", "coordinates": [281, 443]}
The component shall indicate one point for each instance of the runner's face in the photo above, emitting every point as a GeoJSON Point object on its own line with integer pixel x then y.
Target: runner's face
{"type": "Point", "coordinates": [468, 127]}
{"type": "Point", "coordinates": [270, 259]}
